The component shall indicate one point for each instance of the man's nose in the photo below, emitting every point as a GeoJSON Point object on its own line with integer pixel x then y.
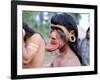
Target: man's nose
{"type": "Point", "coordinates": [53, 35]}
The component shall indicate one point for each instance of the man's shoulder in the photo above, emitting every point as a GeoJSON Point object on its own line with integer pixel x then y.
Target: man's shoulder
{"type": "Point", "coordinates": [36, 36]}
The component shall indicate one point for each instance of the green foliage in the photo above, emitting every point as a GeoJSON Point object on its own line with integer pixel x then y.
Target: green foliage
{"type": "Point", "coordinates": [38, 26]}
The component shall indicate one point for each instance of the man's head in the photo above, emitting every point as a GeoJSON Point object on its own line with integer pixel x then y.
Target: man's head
{"type": "Point", "coordinates": [63, 31]}
{"type": "Point", "coordinates": [28, 31]}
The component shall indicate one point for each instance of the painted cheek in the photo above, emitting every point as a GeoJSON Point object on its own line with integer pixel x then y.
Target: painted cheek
{"type": "Point", "coordinates": [54, 43]}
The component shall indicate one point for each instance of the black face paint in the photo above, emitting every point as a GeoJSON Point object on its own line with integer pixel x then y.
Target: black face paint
{"type": "Point", "coordinates": [60, 32]}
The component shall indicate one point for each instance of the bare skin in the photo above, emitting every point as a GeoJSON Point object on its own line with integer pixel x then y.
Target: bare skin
{"type": "Point", "coordinates": [65, 57]}
{"type": "Point", "coordinates": [33, 52]}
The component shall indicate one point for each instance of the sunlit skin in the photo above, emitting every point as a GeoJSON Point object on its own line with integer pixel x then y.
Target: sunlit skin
{"type": "Point", "coordinates": [33, 51]}
{"type": "Point", "coordinates": [65, 57]}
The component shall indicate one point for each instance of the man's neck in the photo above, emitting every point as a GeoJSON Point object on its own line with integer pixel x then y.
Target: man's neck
{"type": "Point", "coordinates": [65, 50]}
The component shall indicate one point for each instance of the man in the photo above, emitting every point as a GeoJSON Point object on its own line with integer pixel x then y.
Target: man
{"type": "Point", "coordinates": [85, 48]}
{"type": "Point", "coordinates": [33, 48]}
{"type": "Point", "coordinates": [64, 35]}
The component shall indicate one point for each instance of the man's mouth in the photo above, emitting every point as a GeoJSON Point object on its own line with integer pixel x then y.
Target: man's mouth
{"type": "Point", "coordinates": [52, 46]}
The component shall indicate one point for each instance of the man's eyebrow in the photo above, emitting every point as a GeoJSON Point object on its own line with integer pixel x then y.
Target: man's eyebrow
{"type": "Point", "coordinates": [55, 27]}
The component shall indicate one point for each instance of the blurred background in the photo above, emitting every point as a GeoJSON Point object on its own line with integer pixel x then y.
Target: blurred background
{"type": "Point", "coordinates": [39, 22]}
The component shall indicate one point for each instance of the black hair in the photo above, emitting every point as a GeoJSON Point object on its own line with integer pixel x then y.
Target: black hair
{"type": "Point", "coordinates": [69, 23]}
{"type": "Point", "coordinates": [28, 31]}
{"type": "Point", "coordinates": [87, 33]}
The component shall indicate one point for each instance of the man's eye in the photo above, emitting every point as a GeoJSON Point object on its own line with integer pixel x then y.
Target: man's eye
{"type": "Point", "coordinates": [58, 30]}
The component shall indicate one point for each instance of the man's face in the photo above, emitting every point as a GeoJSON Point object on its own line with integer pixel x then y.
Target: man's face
{"type": "Point", "coordinates": [56, 41]}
